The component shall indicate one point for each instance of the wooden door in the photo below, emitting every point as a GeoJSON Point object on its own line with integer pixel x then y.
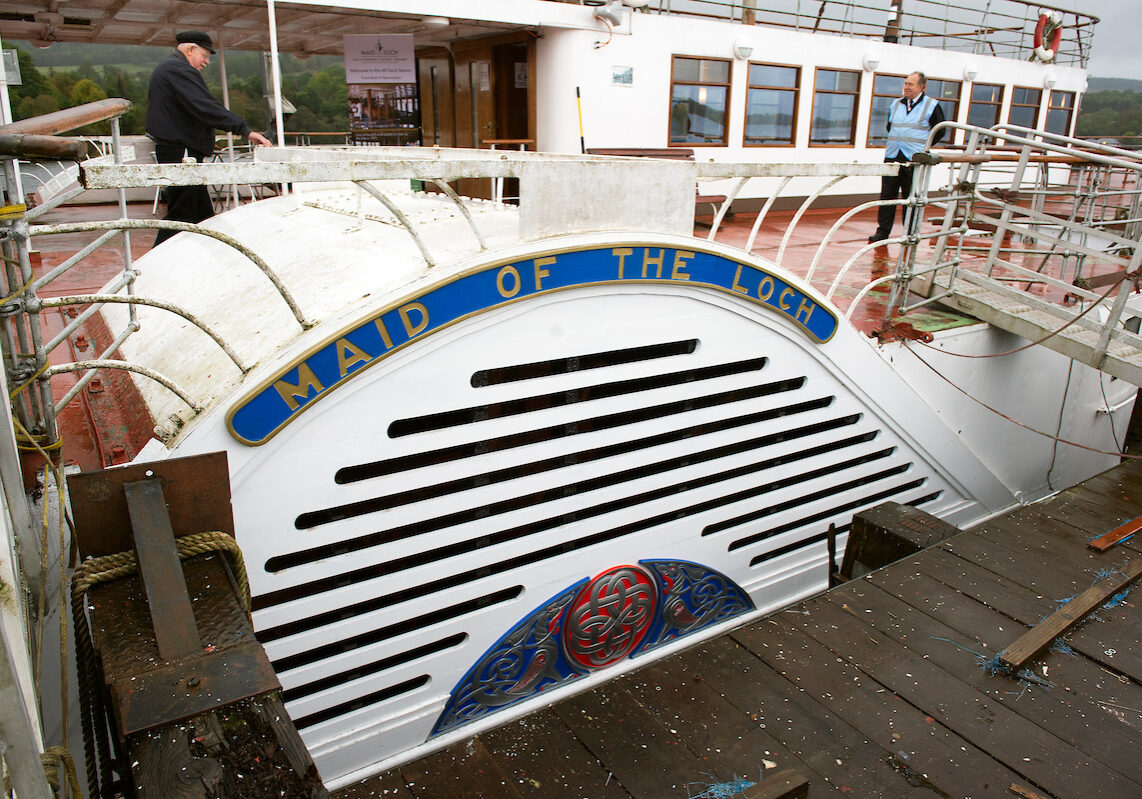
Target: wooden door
{"type": "Point", "coordinates": [437, 119]}
{"type": "Point", "coordinates": [494, 99]}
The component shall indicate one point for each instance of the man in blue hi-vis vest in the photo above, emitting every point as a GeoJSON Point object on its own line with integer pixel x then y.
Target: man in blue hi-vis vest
{"type": "Point", "coordinates": [910, 120]}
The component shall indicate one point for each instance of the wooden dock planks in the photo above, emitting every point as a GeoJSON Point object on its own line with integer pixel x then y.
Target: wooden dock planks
{"type": "Point", "coordinates": [873, 689]}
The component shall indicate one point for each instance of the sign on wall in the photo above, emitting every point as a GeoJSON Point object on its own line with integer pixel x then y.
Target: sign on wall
{"type": "Point", "coordinates": [384, 106]}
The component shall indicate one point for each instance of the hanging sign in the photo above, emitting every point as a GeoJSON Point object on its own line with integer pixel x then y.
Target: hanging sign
{"type": "Point", "coordinates": [379, 59]}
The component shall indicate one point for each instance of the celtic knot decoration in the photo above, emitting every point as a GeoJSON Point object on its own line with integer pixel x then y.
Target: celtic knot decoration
{"type": "Point", "coordinates": [619, 614]}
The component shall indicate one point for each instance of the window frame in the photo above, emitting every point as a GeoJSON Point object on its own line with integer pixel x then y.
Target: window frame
{"type": "Point", "coordinates": [1013, 105]}
{"type": "Point", "coordinates": [750, 87]}
{"type": "Point", "coordinates": [1071, 111]}
{"type": "Point", "coordinates": [951, 136]}
{"type": "Point", "coordinates": [856, 106]}
{"type": "Point", "coordinates": [728, 86]}
{"type": "Point", "coordinates": [998, 104]}
{"type": "Point", "coordinates": [868, 139]}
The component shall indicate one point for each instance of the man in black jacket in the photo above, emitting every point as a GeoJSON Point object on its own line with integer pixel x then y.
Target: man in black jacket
{"type": "Point", "coordinates": [181, 118]}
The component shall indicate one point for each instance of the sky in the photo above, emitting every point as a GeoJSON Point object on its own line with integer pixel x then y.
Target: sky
{"type": "Point", "coordinates": [1117, 53]}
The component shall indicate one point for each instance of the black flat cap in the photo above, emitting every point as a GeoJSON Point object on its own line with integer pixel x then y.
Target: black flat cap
{"type": "Point", "coordinates": [195, 37]}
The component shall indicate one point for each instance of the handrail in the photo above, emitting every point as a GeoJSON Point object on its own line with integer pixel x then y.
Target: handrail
{"type": "Point", "coordinates": [70, 118]}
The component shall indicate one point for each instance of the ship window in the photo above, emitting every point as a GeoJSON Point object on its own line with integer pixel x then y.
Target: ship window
{"type": "Point", "coordinates": [699, 100]}
{"type": "Point", "coordinates": [834, 107]}
{"type": "Point", "coordinates": [886, 89]}
{"type": "Point", "coordinates": [1025, 106]}
{"type": "Point", "coordinates": [771, 105]}
{"type": "Point", "coordinates": [986, 101]}
{"type": "Point", "coordinates": [947, 92]}
{"type": "Point", "coordinates": [1059, 112]}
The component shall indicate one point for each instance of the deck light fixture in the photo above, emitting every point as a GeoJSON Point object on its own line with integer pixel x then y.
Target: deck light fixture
{"type": "Point", "coordinates": [870, 63]}
{"type": "Point", "coordinates": [742, 50]}
{"type": "Point", "coordinates": [1049, 80]}
{"type": "Point", "coordinates": [970, 72]}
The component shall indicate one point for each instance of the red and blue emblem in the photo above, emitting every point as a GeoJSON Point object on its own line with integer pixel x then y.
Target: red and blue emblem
{"type": "Point", "coordinates": [622, 613]}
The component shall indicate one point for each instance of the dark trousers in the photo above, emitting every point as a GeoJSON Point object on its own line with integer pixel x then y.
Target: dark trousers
{"type": "Point", "coordinates": [893, 187]}
{"type": "Point", "coordinates": [184, 203]}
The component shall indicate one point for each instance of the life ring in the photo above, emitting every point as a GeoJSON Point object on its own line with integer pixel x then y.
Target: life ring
{"type": "Point", "coordinates": [1050, 27]}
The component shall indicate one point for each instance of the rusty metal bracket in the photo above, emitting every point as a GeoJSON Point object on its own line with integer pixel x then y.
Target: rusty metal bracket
{"type": "Point", "coordinates": [901, 331]}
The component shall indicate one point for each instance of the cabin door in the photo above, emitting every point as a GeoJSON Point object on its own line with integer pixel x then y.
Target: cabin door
{"type": "Point", "coordinates": [494, 102]}
{"type": "Point", "coordinates": [434, 71]}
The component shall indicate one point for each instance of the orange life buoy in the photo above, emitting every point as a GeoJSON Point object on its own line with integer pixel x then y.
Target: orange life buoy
{"type": "Point", "coordinates": [1049, 26]}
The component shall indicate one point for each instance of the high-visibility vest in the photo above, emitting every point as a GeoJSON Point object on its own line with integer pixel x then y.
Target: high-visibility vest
{"type": "Point", "coordinates": [909, 131]}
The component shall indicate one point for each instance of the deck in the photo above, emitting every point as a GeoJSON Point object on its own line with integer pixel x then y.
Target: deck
{"type": "Point", "coordinates": [873, 689]}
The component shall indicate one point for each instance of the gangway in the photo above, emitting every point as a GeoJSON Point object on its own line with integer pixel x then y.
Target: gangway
{"type": "Point", "coordinates": [1038, 235]}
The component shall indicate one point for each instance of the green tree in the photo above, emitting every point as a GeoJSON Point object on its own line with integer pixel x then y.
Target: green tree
{"type": "Point", "coordinates": [86, 91]}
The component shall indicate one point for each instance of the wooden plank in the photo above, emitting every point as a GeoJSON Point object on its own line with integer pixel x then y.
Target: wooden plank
{"type": "Point", "coordinates": [826, 743]}
{"type": "Point", "coordinates": [546, 761]}
{"type": "Point", "coordinates": [390, 785]}
{"type": "Point", "coordinates": [946, 627]}
{"type": "Point", "coordinates": [1113, 643]}
{"type": "Point", "coordinates": [1117, 535]}
{"type": "Point", "coordinates": [692, 703]}
{"type": "Point", "coordinates": [1028, 645]}
{"type": "Point", "coordinates": [645, 757]}
{"type": "Point", "coordinates": [1022, 746]}
{"type": "Point", "coordinates": [788, 783]}
{"type": "Point", "coordinates": [462, 771]}
{"type": "Point", "coordinates": [1026, 793]}
{"type": "Point", "coordinates": [1044, 567]}
{"type": "Point", "coordinates": [914, 740]}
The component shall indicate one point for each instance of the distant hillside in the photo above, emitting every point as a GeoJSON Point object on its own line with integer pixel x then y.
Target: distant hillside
{"type": "Point", "coordinates": [1115, 85]}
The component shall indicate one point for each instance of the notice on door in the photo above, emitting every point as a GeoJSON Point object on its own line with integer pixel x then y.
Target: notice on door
{"type": "Point", "coordinates": [379, 59]}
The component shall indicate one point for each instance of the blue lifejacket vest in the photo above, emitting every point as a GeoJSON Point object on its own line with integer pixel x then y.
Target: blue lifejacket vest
{"type": "Point", "coordinates": [909, 131]}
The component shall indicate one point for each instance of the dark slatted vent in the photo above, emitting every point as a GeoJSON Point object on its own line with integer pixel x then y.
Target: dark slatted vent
{"type": "Point", "coordinates": [560, 366]}
{"type": "Point", "coordinates": [636, 471]}
{"type": "Point", "coordinates": [374, 698]}
{"type": "Point", "coordinates": [599, 391]}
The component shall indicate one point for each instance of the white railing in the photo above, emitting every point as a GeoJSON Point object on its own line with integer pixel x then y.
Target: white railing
{"type": "Point", "coordinates": [1003, 28]}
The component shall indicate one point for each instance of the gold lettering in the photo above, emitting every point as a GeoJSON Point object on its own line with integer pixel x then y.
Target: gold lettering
{"type": "Point", "coordinates": [384, 331]}
{"type": "Point", "coordinates": [508, 270]}
{"type": "Point", "coordinates": [680, 259]}
{"type": "Point", "coordinates": [765, 288]}
{"type": "Point", "coordinates": [737, 286]}
{"type": "Point", "coordinates": [622, 253]}
{"type": "Point", "coordinates": [349, 354]}
{"type": "Point", "coordinates": [658, 261]}
{"type": "Point", "coordinates": [806, 308]}
{"type": "Point", "coordinates": [783, 299]}
{"type": "Point", "coordinates": [409, 327]}
{"type": "Point", "coordinates": [542, 273]}
{"type": "Point", "coordinates": [306, 382]}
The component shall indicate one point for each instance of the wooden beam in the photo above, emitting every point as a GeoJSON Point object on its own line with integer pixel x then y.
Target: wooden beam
{"type": "Point", "coordinates": [1117, 535]}
{"type": "Point", "coordinates": [1015, 657]}
{"type": "Point", "coordinates": [788, 783]}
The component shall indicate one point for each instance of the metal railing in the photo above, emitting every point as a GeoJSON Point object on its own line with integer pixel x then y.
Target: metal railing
{"type": "Point", "coordinates": [1051, 203]}
{"type": "Point", "coordinates": [1003, 28]}
{"type": "Point", "coordinates": [1037, 219]}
